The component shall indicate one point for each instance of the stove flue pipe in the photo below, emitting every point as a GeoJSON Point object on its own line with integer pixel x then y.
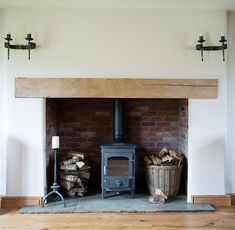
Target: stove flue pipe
{"type": "Point", "coordinates": [117, 121]}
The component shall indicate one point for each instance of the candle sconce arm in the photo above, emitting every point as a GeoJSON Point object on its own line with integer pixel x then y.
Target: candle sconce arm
{"type": "Point", "coordinates": [201, 47]}
{"type": "Point", "coordinates": [31, 45]}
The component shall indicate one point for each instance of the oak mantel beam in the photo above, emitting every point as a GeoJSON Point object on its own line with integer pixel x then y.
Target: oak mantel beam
{"type": "Point", "coordinates": [115, 88]}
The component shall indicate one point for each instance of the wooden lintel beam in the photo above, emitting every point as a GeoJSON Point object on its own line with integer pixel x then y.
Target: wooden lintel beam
{"type": "Point", "coordinates": [115, 88]}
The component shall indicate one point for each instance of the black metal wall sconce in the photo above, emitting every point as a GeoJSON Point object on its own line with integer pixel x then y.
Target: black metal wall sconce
{"type": "Point", "coordinates": [202, 48]}
{"type": "Point", "coordinates": [31, 45]}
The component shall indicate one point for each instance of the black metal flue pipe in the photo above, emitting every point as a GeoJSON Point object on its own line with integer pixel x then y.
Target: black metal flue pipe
{"type": "Point", "coordinates": [117, 121]}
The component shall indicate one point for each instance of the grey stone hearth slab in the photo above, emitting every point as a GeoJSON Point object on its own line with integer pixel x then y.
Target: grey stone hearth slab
{"type": "Point", "coordinates": [122, 203]}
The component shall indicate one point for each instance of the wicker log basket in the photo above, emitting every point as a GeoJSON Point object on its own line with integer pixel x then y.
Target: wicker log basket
{"type": "Point", "coordinates": [164, 171]}
{"type": "Point", "coordinates": [165, 178]}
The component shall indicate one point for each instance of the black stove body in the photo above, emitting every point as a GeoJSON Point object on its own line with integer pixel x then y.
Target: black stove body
{"type": "Point", "coordinates": [117, 159]}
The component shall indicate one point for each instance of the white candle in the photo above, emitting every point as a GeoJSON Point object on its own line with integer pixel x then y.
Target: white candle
{"type": "Point", "coordinates": [55, 142]}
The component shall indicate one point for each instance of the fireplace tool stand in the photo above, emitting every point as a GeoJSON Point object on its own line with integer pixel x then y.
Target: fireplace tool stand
{"type": "Point", "coordinates": [55, 186]}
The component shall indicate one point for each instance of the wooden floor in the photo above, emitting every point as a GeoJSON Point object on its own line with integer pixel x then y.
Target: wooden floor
{"type": "Point", "coordinates": [222, 218]}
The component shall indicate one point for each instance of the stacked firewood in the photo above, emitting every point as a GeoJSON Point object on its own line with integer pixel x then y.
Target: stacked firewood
{"type": "Point", "coordinates": [74, 175]}
{"type": "Point", "coordinates": [164, 158]}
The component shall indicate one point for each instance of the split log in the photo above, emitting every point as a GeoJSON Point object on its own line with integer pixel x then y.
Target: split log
{"type": "Point", "coordinates": [163, 152]}
{"type": "Point", "coordinates": [170, 158]}
{"type": "Point", "coordinates": [179, 158]}
{"type": "Point", "coordinates": [156, 199]}
{"type": "Point", "coordinates": [85, 167]}
{"type": "Point", "coordinates": [80, 164]}
{"type": "Point", "coordinates": [78, 190]}
{"type": "Point", "coordinates": [79, 182]}
{"type": "Point", "coordinates": [147, 160]}
{"type": "Point", "coordinates": [85, 174]}
{"type": "Point", "coordinates": [70, 161]}
{"type": "Point", "coordinates": [164, 159]}
{"type": "Point", "coordinates": [66, 184]}
{"type": "Point", "coordinates": [71, 193]}
{"type": "Point", "coordinates": [155, 160]}
{"type": "Point", "coordinates": [70, 178]}
{"type": "Point", "coordinates": [159, 161]}
{"type": "Point", "coordinates": [160, 193]}
{"type": "Point", "coordinates": [172, 153]}
{"type": "Point", "coordinates": [77, 155]}
{"type": "Point", "coordinates": [80, 194]}
{"type": "Point", "coordinates": [72, 167]}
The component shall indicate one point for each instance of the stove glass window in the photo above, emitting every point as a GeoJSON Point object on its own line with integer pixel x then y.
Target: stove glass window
{"type": "Point", "coordinates": [117, 166]}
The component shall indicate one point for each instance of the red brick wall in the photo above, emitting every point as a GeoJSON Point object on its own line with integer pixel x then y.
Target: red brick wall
{"type": "Point", "coordinates": [183, 141]}
{"type": "Point", "coordinates": [152, 123]}
{"type": "Point", "coordinates": [84, 124]}
{"type": "Point", "coordinates": [183, 127]}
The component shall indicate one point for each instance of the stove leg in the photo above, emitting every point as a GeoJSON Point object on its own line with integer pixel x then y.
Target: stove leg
{"type": "Point", "coordinates": [103, 194]}
{"type": "Point", "coordinates": [132, 192]}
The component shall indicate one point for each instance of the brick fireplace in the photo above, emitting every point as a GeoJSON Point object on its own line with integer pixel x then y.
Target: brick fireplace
{"type": "Point", "coordinates": [85, 124]}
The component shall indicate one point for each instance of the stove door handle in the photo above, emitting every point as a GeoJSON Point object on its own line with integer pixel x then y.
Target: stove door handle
{"type": "Point", "coordinates": [105, 170]}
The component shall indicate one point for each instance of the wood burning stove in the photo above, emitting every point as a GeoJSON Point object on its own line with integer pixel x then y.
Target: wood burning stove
{"type": "Point", "coordinates": [118, 159]}
{"type": "Point", "coordinates": [118, 168]}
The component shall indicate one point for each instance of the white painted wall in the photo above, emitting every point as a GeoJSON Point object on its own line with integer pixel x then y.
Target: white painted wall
{"type": "Point", "coordinates": [115, 43]}
{"type": "Point", "coordinates": [230, 174]}
{"type": "Point", "coordinates": [2, 114]}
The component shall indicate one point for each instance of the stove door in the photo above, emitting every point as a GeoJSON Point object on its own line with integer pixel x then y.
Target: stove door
{"type": "Point", "coordinates": [116, 175]}
{"type": "Point", "coordinates": [117, 166]}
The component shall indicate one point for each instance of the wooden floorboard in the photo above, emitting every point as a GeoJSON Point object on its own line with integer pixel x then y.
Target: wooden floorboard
{"type": "Point", "coordinates": [222, 218]}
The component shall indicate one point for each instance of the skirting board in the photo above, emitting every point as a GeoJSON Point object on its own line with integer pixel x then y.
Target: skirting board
{"type": "Point", "coordinates": [233, 198]}
{"type": "Point", "coordinates": [216, 200]}
{"type": "Point", "coordinates": [19, 201]}
{"type": "Point", "coordinates": [1, 201]}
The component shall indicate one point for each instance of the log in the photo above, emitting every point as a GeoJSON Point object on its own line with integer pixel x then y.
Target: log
{"type": "Point", "coordinates": [66, 184]}
{"type": "Point", "coordinates": [170, 158]}
{"type": "Point", "coordinates": [172, 153]}
{"type": "Point", "coordinates": [80, 164]}
{"type": "Point", "coordinates": [155, 162]}
{"type": "Point", "coordinates": [179, 158]}
{"type": "Point", "coordinates": [79, 182]}
{"type": "Point", "coordinates": [70, 161]}
{"type": "Point", "coordinates": [159, 161]}
{"type": "Point", "coordinates": [85, 167]}
{"type": "Point", "coordinates": [164, 159]}
{"type": "Point", "coordinates": [85, 174]}
{"type": "Point", "coordinates": [80, 194]}
{"type": "Point", "coordinates": [72, 172]}
{"type": "Point", "coordinates": [163, 152]}
{"type": "Point", "coordinates": [70, 178]}
{"type": "Point", "coordinates": [78, 190]}
{"type": "Point", "coordinates": [71, 193]}
{"type": "Point", "coordinates": [147, 160]}
{"type": "Point", "coordinates": [156, 199]}
{"type": "Point", "coordinates": [72, 167]}
{"type": "Point", "coordinates": [160, 193]}
{"type": "Point", "coordinates": [78, 155]}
